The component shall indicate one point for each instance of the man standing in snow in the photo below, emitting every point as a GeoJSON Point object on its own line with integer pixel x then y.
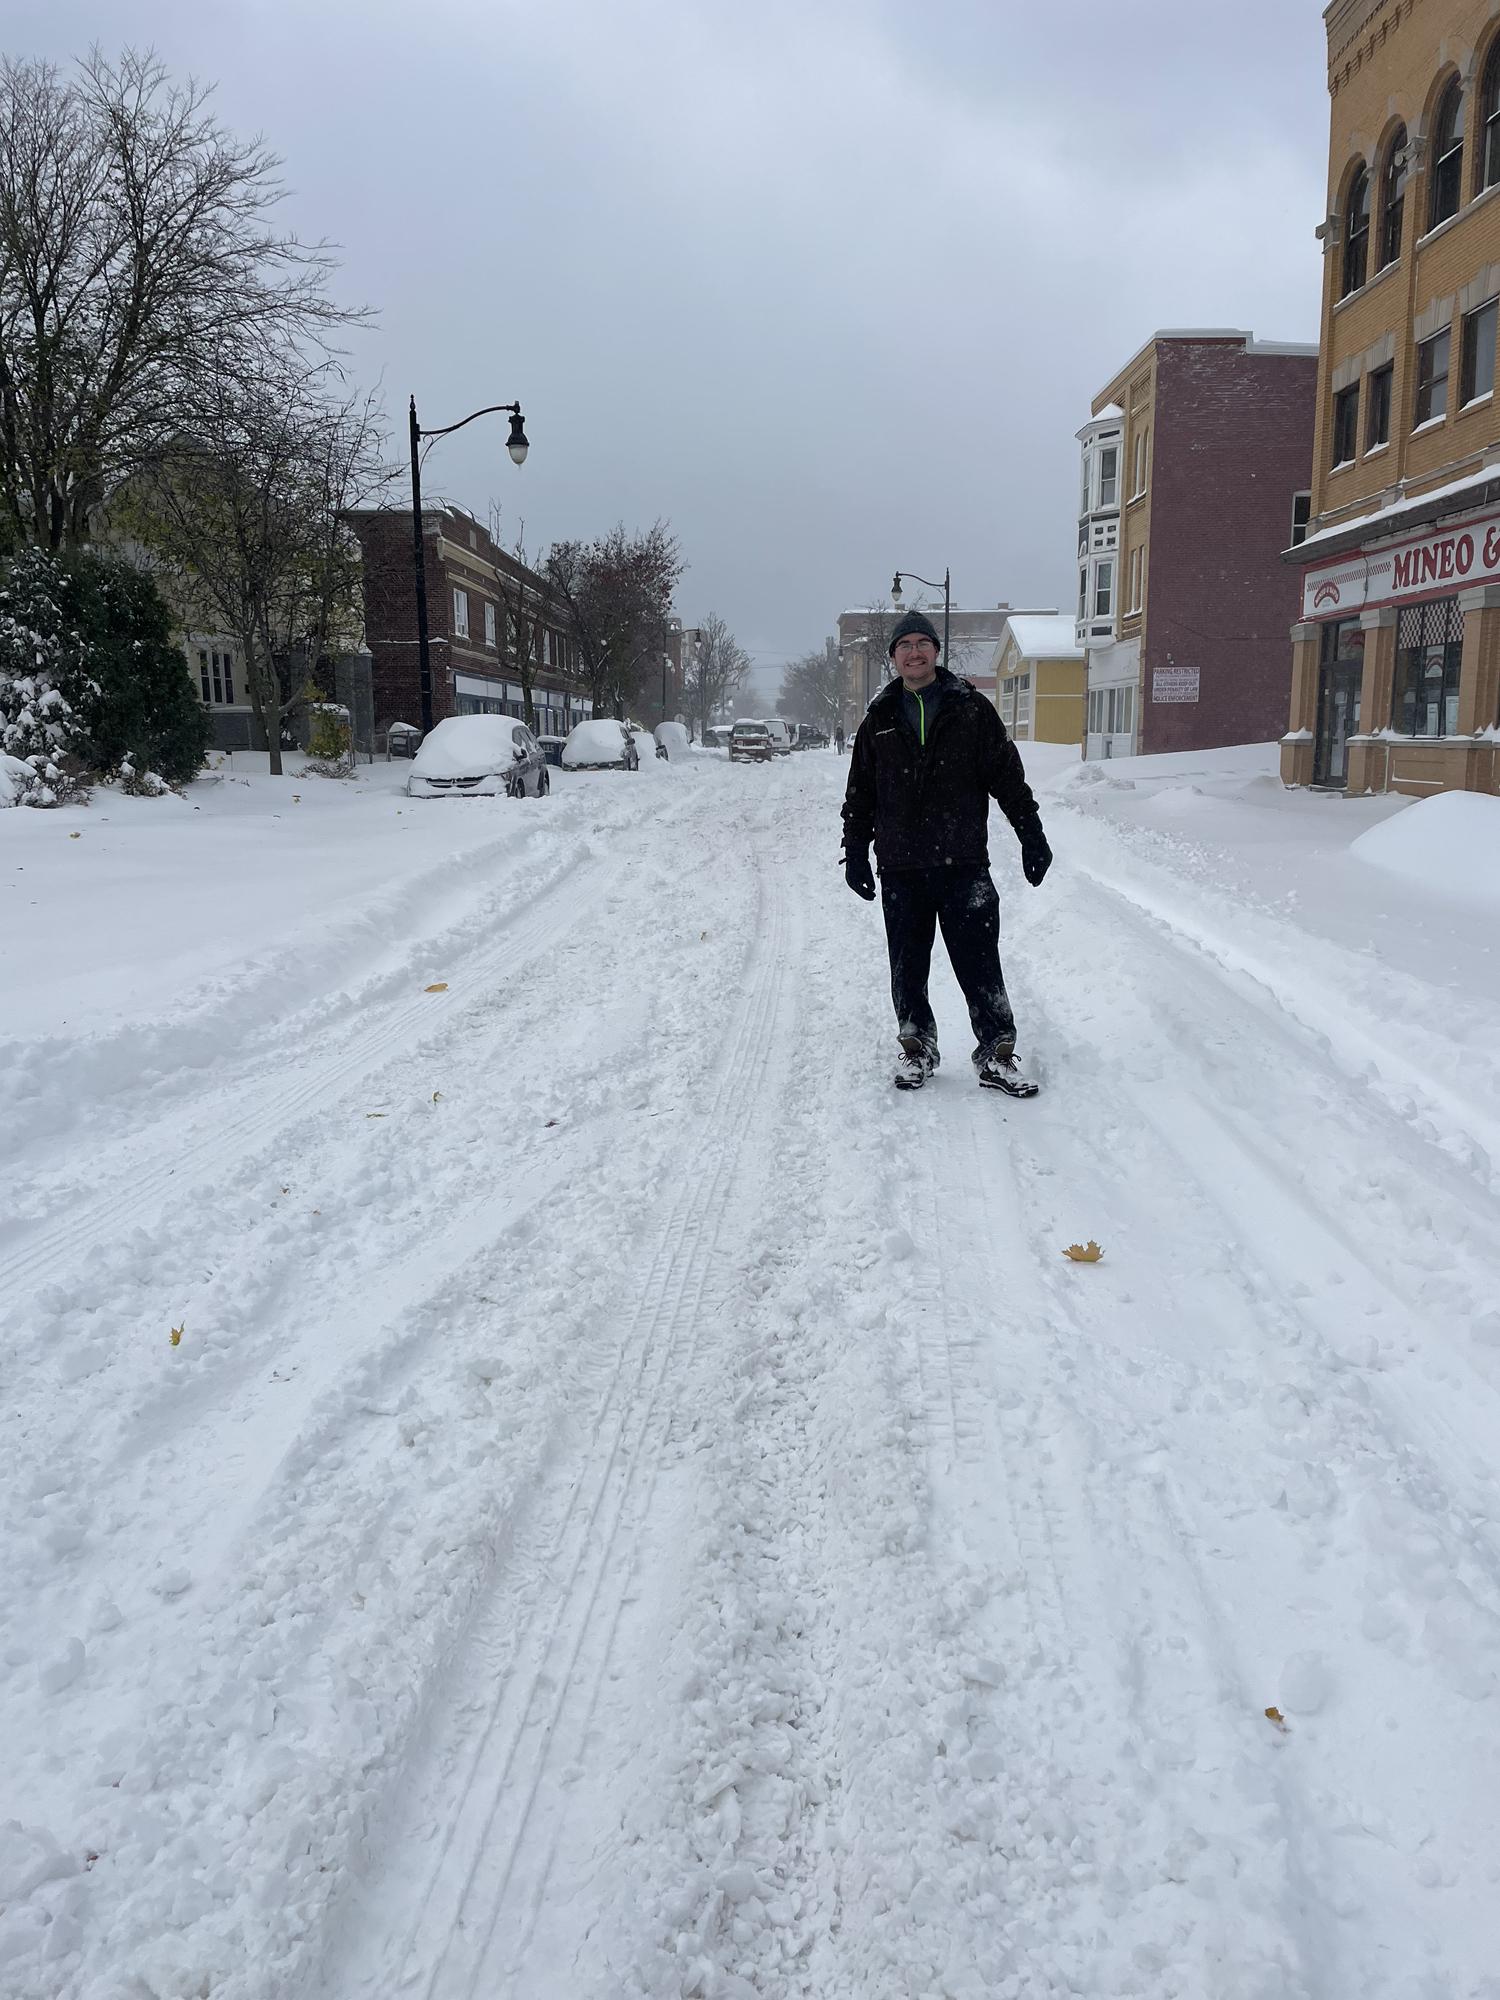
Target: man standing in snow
{"type": "Point", "coordinates": [927, 759]}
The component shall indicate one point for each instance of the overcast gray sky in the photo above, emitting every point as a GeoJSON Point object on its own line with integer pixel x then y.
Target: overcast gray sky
{"type": "Point", "coordinates": [828, 285]}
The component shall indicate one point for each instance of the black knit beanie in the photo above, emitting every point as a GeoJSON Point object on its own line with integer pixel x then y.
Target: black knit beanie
{"type": "Point", "coordinates": [914, 623]}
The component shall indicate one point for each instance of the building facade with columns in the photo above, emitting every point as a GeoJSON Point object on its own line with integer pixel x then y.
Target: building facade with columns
{"type": "Point", "coordinates": [1396, 656]}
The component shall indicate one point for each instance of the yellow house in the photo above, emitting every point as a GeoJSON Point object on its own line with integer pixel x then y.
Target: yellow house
{"type": "Point", "coordinates": [1041, 678]}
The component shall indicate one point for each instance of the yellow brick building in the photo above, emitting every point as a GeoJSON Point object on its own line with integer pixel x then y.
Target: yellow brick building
{"type": "Point", "coordinates": [1041, 678]}
{"type": "Point", "coordinates": [1396, 660]}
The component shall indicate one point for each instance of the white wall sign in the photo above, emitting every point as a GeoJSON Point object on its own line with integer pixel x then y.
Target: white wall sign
{"type": "Point", "coordinates": [1174, 684]}
{"type": "Point", "coordinates": [1425, 566]}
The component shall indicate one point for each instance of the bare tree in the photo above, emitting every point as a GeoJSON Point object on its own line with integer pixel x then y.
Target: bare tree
{"type": "Point", "coordinates": [812, 687]}
{"type": "Point", "coordinates": [714, 671]}
{"type": "Point", "coordinates": [526, 614]}
{"type": "Point", "coordinates": [247, 514]}
{"type": "Point", "coordinates": [619, 591]}
{"type": "Point", "coordinates": [137, 268]}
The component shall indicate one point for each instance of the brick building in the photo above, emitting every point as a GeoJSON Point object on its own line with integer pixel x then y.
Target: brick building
{"type": "Point", "coordinates": [1193, 463]}
{"type": "Point", "coordinates": [473, 589]}
{"type": "Point", "coordinates": [1396, 657]}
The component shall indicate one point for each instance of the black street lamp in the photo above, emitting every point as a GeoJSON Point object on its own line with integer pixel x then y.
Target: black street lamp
{"type": "Point", "coordinates": [518, 447]}
{"type": "Point", "coordinates": [896, 599]}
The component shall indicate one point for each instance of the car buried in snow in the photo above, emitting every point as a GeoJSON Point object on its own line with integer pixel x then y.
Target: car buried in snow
{"type": "Point", "coordinates": [478, 756]}
{"type": "Point", "coordinates": [601, 744]}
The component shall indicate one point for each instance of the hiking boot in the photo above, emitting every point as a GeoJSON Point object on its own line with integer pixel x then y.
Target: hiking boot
{"type": "Point", "coordinates": [919, 1058]}
{"type": "Point", "coordinates": [999, 1070]}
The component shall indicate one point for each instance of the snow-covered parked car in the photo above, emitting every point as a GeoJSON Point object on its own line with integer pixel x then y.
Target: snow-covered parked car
{"type": "Point", "coordinates": [717, 738]}
{"type": "Point", "coordinates": [478, 756]}
{"type": "Point", "coordinates": [672, 740]}
{"type": "Point", "coordinates": [600, 745]}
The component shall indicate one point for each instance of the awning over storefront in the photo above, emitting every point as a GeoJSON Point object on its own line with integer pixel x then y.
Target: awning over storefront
{"type": "Point", "coordinates": [1427, 565]}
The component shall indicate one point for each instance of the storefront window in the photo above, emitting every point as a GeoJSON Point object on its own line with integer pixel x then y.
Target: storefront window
{"type": "Point", "coordinates": [1429, 650]}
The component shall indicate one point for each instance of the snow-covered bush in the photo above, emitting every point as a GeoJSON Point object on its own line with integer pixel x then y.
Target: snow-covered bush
{"type": "Point", "coordinates": [46, 688]}
{"type": "Point", "coordinates": [91, 678]}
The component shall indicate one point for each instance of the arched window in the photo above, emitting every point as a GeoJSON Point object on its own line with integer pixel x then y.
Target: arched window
{"type": "Point", "coordinates": [1356, 233]}
{"type": "Point", "coordinates": [1489, 115]}
{"type": "Point", "coordinates": [1447, 155]}
{"type": "Point", "coordinates": [1393, 196]}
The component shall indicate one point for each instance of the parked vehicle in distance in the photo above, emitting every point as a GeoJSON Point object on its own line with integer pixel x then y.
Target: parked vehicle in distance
{"type": "Point", "coordinates": [781, 735]}
{"type": "Point", "coordinates": [478, 756]}
{"type": "Point", "coordinates": [810, 737]}
{"type": "Point", "coordinates": [601, 744]}
{"type": "Point", "coordinates": [750, 743]}
{"type": "Point", "coordinates": [672, 740]}
{"type": "Point", "coordinates": [552, 748]}
{"type": "Point", "coordinates": [717, 738]}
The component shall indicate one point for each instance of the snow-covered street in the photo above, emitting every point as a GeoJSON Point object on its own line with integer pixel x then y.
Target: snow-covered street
{"type": "Point", "coordinates": [537, 1474]}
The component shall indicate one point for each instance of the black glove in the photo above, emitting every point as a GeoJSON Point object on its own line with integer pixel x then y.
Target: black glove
{"type": "Point", "coordinates": [858, 874]}
{"type": "Point", "coordinates": [1036, 855]}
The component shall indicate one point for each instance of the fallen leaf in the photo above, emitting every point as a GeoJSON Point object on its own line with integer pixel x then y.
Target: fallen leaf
{"type": "Point", "coordinates": [177, 1333]}
{"type": "Point", "coordinates": [369, 1114]}
{"type": "Point", "coordinates": [1274, 1715]}
{"type": "Point", "coordinates": [75, 836]}
{"type": "Point", "coordinates": [550, 1122]}
{"type": "Point", "coordinates": [1084, 1253]}
{"type": "Point", "coordinates": [436, 1095]}
{"type": "Point", "coordinates": [441, 986]}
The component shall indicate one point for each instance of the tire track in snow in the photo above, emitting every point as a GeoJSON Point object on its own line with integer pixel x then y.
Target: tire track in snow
{"type": "Point", "coordinates": [1239, 1195]}
{"type": "Point", "coordinates": [325, 1068]}
{"type": "Point", "coordinates": [481, 1901]}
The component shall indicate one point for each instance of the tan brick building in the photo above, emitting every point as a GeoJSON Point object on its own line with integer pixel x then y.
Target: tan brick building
{"type": "Point", "coordinates": [1192, 463]}
{"type": "Point", "coordinates": [1396, 659]}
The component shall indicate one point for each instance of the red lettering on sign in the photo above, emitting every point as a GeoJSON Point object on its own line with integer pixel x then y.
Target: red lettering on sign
{"type": "Point", "coordinates": [1429, 565]}
{"type": "Point", "coordinates": [1445, 559]}
{"type": "Point", "coordinates": [1401, 576]}
{"type": "Point", "coordinates": [1465, 554]}
{"type": "Point", "coordinates": [1492, 548]}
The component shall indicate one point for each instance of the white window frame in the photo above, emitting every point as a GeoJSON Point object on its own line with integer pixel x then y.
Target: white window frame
{"type": "Point", "coordinates": [460, 613]}
{"type": "Point", "coordinates": [1142, 460]}
{"type": "Point", "coordinates": [1104, 573]}
{"type": "Point", "coordinates": [489, 624]}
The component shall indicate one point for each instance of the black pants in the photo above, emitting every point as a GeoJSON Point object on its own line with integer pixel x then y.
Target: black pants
{"type": "Point", "coordinates": [963, 900]}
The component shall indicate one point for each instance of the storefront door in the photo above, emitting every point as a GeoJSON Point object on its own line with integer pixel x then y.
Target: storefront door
{"type": "Point", "coordinates": [1338, 720]}
{"type": "Point", "coordinates": [1340, 672]}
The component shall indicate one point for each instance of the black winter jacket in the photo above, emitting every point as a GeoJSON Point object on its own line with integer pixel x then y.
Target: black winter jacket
{"type": "Point", "coordinates": [929, 808]}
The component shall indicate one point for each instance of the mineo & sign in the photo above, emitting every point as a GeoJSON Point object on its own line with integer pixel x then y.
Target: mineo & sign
{"type": "Point", "coordinates": [1467, 554]}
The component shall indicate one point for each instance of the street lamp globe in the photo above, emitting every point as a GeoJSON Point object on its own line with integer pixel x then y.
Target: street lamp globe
{"type": "Point", "coordinates": [517, 444]}
{"type": "Point", "coordinates": [896, 590]}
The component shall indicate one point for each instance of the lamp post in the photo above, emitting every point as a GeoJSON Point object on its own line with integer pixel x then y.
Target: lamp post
{"type": "Point", "coordinates": [517, 446]}
{"type": "Point", "coordinates": [896, 598]}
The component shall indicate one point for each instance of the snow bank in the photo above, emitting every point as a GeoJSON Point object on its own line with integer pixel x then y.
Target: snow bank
{"type": "Point", "coordinates": [1448, 845]}
{"type": "Point", "coordinates": [14, 779]}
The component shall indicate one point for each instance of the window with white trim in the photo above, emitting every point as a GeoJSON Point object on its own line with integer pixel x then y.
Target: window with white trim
{"type": "Point", "coordinates": [1139, 487]}
{"type": "Point", "coordinates": [461, 614]}
{"type": "Point", "coordinates": [489, 624]}
{"type": "Point", "coordinates": [1104, 589]}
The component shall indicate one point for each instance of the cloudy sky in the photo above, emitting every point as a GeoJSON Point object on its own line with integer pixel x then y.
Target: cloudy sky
{"type": "Point", "coordinates": [828, 284]}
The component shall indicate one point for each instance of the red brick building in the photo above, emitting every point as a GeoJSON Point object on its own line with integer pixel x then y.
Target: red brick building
{"type": "Point", "coordinates": [473, 590]}
{"type": "Point", "coordinates": [1201, 449]}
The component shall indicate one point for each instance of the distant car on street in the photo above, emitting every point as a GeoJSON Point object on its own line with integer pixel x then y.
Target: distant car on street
{"type": "Point", "coordinates": [478, 756]}
{"type": "Point", "coordinates": [809, 737]}
{"type": "Point", "coordinates": [717, 738]}
{"type": "Point", "coordinates": [750, 743]}
{"type": "Point", "coordinates": [601, 745]}
{"type": "Point", "coordinates": [672, 740]}
{"type": "Point", "coordinates": [781, 735]}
